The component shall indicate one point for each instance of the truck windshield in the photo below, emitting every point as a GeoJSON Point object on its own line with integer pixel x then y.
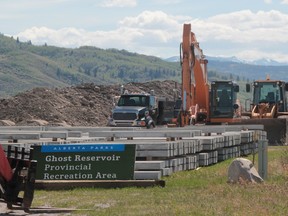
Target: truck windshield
{"type": "Point", "coordinates": [134, 100]}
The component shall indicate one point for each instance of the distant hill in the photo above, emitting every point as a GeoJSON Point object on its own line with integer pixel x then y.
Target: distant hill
{"type": "Point", "coordinates": [24, 66]}
{"type": "Point", "coordinates": [252, 72]}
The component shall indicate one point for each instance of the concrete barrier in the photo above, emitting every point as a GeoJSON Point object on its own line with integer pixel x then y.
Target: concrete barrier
{"type": "Point", "coordinates": [156, 156]}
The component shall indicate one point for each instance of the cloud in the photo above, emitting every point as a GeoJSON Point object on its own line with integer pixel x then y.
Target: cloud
{"type": "Point", "coordinates": [148, 33]}
{"type": "Point", "coordinates": [250, 54]}
{"type": "Point", "coordinates": [245, 27]}
{"type": "Point", "coordinates": [150, 20]}
{"type": "Point", "coordinates": [244, 34]}
{"type": "Point", "coordinates": [262, 33]}
{"type": "Point", "coordinates": [119, 3]}
{"type": "Point", "coordinates": [284, 2]}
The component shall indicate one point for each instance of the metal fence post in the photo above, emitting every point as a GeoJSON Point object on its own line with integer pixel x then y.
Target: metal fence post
{"type": "Point", "coordinates": [263, 158]}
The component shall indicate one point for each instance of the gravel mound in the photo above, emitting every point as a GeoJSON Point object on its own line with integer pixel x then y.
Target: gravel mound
{"type": "Point", "coordinates": [83, 105]}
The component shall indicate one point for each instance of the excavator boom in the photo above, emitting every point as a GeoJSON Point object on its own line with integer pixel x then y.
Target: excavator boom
{"type": "Point", "coordinates": [195, 88]}
{"type": "Point", "coordinates": [199, 105]}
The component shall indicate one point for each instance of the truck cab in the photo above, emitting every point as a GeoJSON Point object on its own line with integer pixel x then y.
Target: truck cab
{"type": "Point", "coordinates": [130, 110]}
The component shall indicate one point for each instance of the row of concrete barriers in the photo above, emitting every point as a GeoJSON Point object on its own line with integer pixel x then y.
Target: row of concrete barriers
{"type": "Point", "coordinates": [159, 152]}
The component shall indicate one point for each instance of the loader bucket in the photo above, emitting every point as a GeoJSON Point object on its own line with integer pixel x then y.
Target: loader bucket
{"type": "Point", "coordinates": [276, 129]}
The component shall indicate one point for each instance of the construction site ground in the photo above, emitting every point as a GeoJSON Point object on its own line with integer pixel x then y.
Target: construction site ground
{"type": "Point", "coordinates": [83, 105]}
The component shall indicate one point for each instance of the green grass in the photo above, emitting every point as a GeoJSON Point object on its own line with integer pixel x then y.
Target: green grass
{"type": "Point", "coordinates": [198, 192]}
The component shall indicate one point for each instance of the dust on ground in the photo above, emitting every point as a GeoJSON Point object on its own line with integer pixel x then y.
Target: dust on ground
{"type": "Point", "coordinates": [83, 105]}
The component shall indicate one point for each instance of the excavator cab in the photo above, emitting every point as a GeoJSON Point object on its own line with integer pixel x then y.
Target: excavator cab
{"type": "Point", "coordinates": [223, 101]}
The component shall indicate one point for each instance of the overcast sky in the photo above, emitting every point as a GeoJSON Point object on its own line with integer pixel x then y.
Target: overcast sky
{"type": "Point", "coordinates": [247, 29]}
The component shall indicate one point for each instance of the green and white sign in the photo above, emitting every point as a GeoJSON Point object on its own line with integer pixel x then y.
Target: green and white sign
{"type": "Point", "coordinates": [85, 162]}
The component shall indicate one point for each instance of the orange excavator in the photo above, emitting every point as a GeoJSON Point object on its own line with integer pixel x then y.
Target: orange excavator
{"type": "Point", "coordinates": [201, 102]}
{"type": "Point", "coordinates": [216, 102]}
{"type": "Point", "coordinates": [195, 93]}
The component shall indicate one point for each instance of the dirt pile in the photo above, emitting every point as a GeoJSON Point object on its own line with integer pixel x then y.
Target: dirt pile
{"type": "Point", "coordinates": [83, 105]}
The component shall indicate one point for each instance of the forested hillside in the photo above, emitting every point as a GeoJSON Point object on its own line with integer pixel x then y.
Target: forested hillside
{"type": "Point", "coordinates": [24, 66]}
{"type": "Point", "coordinates": [252, 72]}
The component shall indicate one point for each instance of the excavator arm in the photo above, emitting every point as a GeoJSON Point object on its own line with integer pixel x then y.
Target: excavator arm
{"type": "Point", "coordinates": [195, 88]}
